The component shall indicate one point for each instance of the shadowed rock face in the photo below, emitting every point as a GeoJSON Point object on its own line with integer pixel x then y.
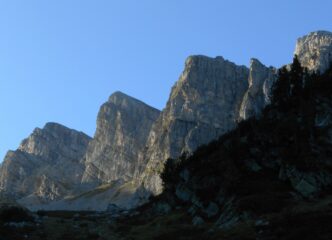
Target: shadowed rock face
{"type": "Point", "coordinates": [203, 105]}
{"type": "Point", "coordinates": [115, 152]}
{"type": "Point", "coordinates": [315, 50]}
{"type": "Point", "coordinates": [46, 165]}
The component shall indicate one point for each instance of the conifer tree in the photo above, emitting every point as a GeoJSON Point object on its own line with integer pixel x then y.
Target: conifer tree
{"type": "Point", "coordinates": [281, 88]}
{"type": "Point", "coordinates": [296, 77]}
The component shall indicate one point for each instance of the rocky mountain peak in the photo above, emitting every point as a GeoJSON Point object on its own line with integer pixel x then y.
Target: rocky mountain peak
{"type": "Point", "coordinates": [199, 61]}
{"type": "Point", "coordinates": [120, 101]}
{"type": "Point", "coordinates": [256, 68]}
{"type": "Point", "coordinates": [51, 137]}
{"type": "Point", "coordinates": [53, 126]}
{"type": "Point", "coordinates": [203, 104]}
{"type": "Point", "coordinates": [203, 80]}
{"type": "Point", "coordinates": [118, 98]}
{"type": "Point", "coordinates": [123, 125]}
{"type": "Point", "coordinates": [46, 166]}
{"type": "Point", "coordinates": [315, 50]}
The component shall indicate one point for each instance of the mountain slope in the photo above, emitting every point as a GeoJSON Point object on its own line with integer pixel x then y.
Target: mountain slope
{"type": "Point", "coordinates": [269, 178]}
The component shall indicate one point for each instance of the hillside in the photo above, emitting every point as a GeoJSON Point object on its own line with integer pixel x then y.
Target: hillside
{"type": "Point", "coordinates": [270, 178]}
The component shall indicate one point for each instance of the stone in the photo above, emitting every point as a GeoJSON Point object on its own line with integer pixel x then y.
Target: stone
{"type": "Point", "coordinates": [46, 166]}
{"type": "Point", "coordinates": [197, 221]}
{"type": "Point", "coordinates": [261, 223]}
{"type": "Point", "coordinates": [183, 193]}
{"type": "Point", "coordinates": [192, 210]}
{"type": "Point", "coordinates": [305, 188]}
{"type": "Point", "coordinates": [203, 105]}
{"type": "Point", "coordinates": [123, 126]}
{"type": "Point", "coordinates": [261, 79]}
{"type": "Point", "coordinates": [315, 51]}
{"type": "Point", "coordinates": [212, 210]}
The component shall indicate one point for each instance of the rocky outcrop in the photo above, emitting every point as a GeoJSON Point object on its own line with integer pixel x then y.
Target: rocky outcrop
{"type": "Point", "coordinates": [203, 105]}
{"type": "Point", "coordinates": [261, 79]}
{"type": "Point", "coordinates": [315, 50]}
{"type": "Point", "coordinates": [46, 166]}
{"type": "Point", "coordinates": [123, 126]}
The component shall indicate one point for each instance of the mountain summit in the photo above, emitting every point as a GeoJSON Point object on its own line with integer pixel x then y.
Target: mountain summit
{"type": "Point", "coordinates": [123, 126]}
{"type": "Point", "coordinates": [315, 50]}
{"type": "Point", "coordinates": [46, 166]}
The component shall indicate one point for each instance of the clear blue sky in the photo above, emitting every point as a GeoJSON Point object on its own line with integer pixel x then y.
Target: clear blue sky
{"type": "Point", "coordinates": [61, 59]}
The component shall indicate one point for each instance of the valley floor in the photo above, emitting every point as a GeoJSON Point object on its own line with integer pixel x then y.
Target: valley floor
{"type": "Point", "coordinates": [307, 220]}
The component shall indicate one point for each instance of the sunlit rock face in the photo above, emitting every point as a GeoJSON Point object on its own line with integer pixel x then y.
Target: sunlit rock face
{"type": "Point", "coordinates": [46, 166]}
{"type": "Point", "coordinates": [261, 79]}
{"type": "Point", "coordinates": [203, 105]}
{"type": "Point", "coordinates": [123, 126]}
{"type": "Point", "coordinates": [315, 50]}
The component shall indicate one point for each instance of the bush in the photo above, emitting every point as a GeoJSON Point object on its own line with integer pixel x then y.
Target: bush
{"type": "Point", "coordinates": [14, 214]}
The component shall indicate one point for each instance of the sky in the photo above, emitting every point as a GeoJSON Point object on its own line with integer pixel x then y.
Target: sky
{"type": "Point", "coordinates": [61, 59]}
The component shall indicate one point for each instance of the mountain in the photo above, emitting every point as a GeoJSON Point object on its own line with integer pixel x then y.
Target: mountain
{"type": "Point", "coordinates": [203, 105]}
{"type": "Point", "coordinates": [269, 178]}
{"type": "Point", "coordinates": [257, 96]}
{"type": "Point", "coordinates": [212, 96]}
{"type": "Point", "coordinates": [115, 152]}
{"type": "Point", "coordinates": [64, 169]}
{"type": "Point", "coordinates": [46, 166]}
{"type": "Point", "coordinates": [315, 50]}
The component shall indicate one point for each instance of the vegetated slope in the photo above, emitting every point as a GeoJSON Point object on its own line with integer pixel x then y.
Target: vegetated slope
{"type": "Point", "coordinates": [270, 178]}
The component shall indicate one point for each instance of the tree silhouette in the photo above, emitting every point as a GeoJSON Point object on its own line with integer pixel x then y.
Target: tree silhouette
{"type": "Point", "coordinates": [296, 77]}
{"type": "Point", "coordinates": [281, 88]}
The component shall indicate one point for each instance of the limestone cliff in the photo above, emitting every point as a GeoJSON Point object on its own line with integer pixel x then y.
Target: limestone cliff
{"type": "Point", "coordinates": [123, 126]}
{"type": "Point", "coordinates": [315, 50]}
{"type": "Point", "coordinates": [261, 79]}
{"type": "Point", "coordinates": [46, 166]}
{"type": "Point", "coordinates": [203, 105]}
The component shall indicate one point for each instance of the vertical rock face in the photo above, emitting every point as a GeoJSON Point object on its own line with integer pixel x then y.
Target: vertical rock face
{"type": "Point", "coordinates": [261, 79]}
{"type": "Point", "coordinates": [123, 126]}
{"type": "Point", "coordinates": [315, 50]}
{"type": "Point", "coordinates": [203, 105]}
{"type": "Point", "coordinates": [46, 164]}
